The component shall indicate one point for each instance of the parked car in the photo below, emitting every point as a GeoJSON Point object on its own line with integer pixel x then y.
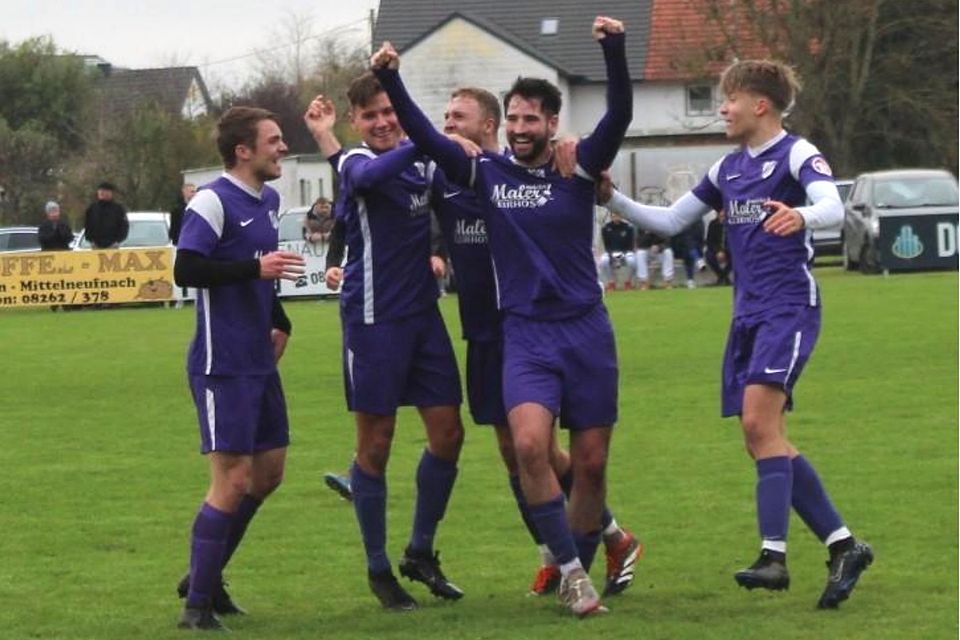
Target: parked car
{"type": "Point", "coordinates": [903, 192]}
{"type": "Point", "coordinates": [18, 239]}
{"type": "Point", "coordinates": [147, 229]}
{"type": "Point", "coordinates": [829, 241]}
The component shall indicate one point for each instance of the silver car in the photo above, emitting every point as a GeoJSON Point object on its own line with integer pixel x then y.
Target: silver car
{"type": "Point", "coordinates": [17, 239]}
{"type": "Point", "coordinates": [903, 192]}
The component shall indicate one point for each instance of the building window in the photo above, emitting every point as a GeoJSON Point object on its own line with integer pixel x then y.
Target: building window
{"type": "Point", "coordinates": [549, 26]}
{"type": "Point", "coordinates": [305, 196]}
{"type": "Point", "coordinates": [700, 100]}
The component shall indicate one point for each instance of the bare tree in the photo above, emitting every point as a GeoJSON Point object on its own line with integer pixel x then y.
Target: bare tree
{"type": "Point", "coordinates": [868, 100]}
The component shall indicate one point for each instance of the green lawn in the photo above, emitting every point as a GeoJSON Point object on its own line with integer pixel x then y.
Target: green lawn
{"type": "Point", "coordinates": [101, 480]}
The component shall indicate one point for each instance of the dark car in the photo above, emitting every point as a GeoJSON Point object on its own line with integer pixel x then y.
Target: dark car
{"type": "Point", "coordinates": [903, 192]}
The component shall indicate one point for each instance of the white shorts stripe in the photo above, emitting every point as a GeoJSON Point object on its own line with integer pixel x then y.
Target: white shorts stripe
{"type": "Point", "coordinates": [207, 335]}
{"type": "Point", "coordinates": [797, 337]}
{"type": "Point", "coordinates": [211, 419]}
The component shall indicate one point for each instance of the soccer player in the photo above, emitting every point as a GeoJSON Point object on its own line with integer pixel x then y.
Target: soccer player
{"type": "Point", "coordinates": [396, 350]}
{"type": "Point", "coordinates": [228, 250]}
{"type": "Point", "coordinates": [776, 315]}
{"type": "Point", "coordinates": [559, 352]}
{"type": "Point", "coordinates": [474, 115]}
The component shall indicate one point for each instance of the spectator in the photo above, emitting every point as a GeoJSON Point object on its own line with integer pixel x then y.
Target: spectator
{"type": "Point", "coordinates": [688, 244]}
{"type": "Point", "coordinates": [619, 244]}
{"type": "Point", "coordinates": [187, 191]}
{"type": "Point", "coordinates": [54, 233]}
{"type": "Point", "coordinates": [318, 223]}
{"type": "Point", "coordinates": [106, 220]}
{"type": "Point", "coordinates": [717, 254]}
{"type": "Point", "coordinates": [651, 245]}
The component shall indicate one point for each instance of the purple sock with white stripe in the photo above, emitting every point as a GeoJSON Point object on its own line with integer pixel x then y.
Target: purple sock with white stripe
{"type": "Point", "coordinates": [551, 520]}
{"type": "Point", "coordinates": [811, 502]}
{"type": "Point", "coordinates": [774, 487]}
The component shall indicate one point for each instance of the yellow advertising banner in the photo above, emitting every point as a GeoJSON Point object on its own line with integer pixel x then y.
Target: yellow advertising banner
{"type": "Point", "coordinates": [86, 277]}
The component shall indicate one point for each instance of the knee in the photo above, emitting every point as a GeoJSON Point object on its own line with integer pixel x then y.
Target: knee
{"type": "Point", "coordinates": [266, 483]}
{"type": "Point", "coordinates": [590, 467]}
{"type": "Point", "coordinates": [236, 482]}
{"type": "Point", "coordinates": [374, 452]}
{"type": "Point", "coordinates": [756, 433]}
{"type": "Point", "coordinates": [529, 453]}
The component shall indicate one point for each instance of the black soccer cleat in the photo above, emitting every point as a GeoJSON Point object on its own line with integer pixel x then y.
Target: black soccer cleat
{"type": "Point", "coordinates": [843, 571]}
{"type": "Point", "coordinates": [389, 592]}
{"type": "Point", "coordinates": [768, 572]}
{"type": "Point", "coordinates": [339, 484]}
{"type": "Point", "coordinates": [425, 568]}
{"type": "Point", "coordinates": [221, 601]}
{"type": "Point", "coordinates": [202, 619]}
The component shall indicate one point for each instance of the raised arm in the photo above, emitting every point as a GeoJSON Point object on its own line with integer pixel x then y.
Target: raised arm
{"type": "Point", "coordinates": [449, 155]}
{"type": "Point", "coordinates": [320, 118]}
{"type": "Point", "coordinates": [596, 152]}
{"type": "Point", "coordinates": [664, 221]}
{"type": "Point", "coordinates": [373, 170]}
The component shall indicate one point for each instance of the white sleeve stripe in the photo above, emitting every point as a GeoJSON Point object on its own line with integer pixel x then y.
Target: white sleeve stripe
{"type": "Point", "coordinates": [207, 205]}
{"type": "Point", "coordinates": [582, 173]}
{"type": "Point", "coordinates": [801, 151]}
{"type": "Point", "coordinates": [358, 151]}
{"type": "Point", "coordinates": [714, 173]}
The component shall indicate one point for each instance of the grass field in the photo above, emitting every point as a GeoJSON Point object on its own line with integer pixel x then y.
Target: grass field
{"type": "Point", "coordinates": [101, 480]}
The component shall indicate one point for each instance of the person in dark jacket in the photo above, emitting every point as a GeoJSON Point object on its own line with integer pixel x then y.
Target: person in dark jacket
{"type": "Point", "coordinates": [54, 233]}
{"type": "Point", "coordinates": [106, 220]}
{"type": "Point", "coordinates": [187, 191]}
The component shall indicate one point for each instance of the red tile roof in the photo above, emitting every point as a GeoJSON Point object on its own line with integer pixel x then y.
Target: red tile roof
{"type": "Point", "coordinates": [686, 44]}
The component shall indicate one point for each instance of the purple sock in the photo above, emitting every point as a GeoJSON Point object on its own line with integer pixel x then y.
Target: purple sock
{"type": "Point", "coordinates": [551, 520]}
{"type": "Point", "coordinates": [524, 509]}
{"type": "Point", "coordinates": [370, 504]}
{"type": "Point", "coordinates": [241, 518]}
{"type": "Point", "coordinates": [811, 502]}
{"type": "Point", "coordinates": [210, 530]}
{"type": "Point", "coordinates": [605, 518]}
{"type": "Point", "coordinates": [586, 547]}
{"type": "Point", "coordinates": [435, 478]}
{"type": "Point", "coordinates": [774, 480]}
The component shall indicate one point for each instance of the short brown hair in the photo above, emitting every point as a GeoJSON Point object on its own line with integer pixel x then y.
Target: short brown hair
{"type": "Point", "coordinates": [769, 78]}
{"type": "Point", "coordinates": [239, 126]}
{"type": "Point", "coordinates": [488, 102]}
{"type": "Point", "coordinates": [363, 89]}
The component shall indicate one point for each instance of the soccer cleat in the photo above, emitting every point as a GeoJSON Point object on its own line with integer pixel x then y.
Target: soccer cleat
{"type": "Point", "coordinates": [546, 581]}
{"type": "Point", "coordinates": [843, 571]}
{"type": "Point", "coordinates": [576, 593]}
{"type": "Point", "coordinates": [389, 592]}
{"type": "Point", "coordinates": [339, 484]}
{"type": "Point", "coordinates": [425, 568]}
{"type": "Point", "coordinates": [202, 619]}
{"type": "Point", "coordinates": [768, 572]}
{"type": "Point", "coordinates": [621, 561]}
{"type": "Point", "coordinates": [221, 601]}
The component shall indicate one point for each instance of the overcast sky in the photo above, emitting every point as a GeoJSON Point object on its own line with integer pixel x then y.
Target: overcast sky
{"type": "Point", "coordinates": [216, 35]}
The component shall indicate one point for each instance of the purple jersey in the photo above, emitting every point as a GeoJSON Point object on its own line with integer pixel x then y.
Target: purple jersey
{"type": "Point", "coordinates": [769, 270]}
{"type": "Point", "coordinates": [227, 220]}
{"type": "Point", "coordinates": [387, 275]}
{"type": "Point", "coordinates": [465, 232]}
{"type": "Point", "coordinates": [540, 224]}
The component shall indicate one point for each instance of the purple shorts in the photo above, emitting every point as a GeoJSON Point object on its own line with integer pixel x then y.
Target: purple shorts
{"type": "Point", "coordinates": [568, 366]}
{"type": "Point", "coordinates": [768, 348]}
{"type": "Point", "coordinates": [485, 382]}
{"type": "Point", "coordinates": [240, 414]}
{"type": "Point", "coordinates": [405, 362]}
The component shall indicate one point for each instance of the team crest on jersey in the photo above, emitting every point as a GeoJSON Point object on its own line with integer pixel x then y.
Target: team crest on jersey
{"type": "Point", "coordinates": [274, 218]}
{"type": "Point", "coordinates": [524, 196]}
{"type": "Point", "coordinates": [820, 165]}
{"type": "Point", "coordinates": [767, 169]}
